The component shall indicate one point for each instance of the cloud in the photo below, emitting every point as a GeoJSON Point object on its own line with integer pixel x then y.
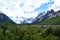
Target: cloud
{"type": "Point", "coordinates": [44, 7]}
{"type": "Point", "coordinates": [56, 5]}
{"type": "Point", "coordinates": [21, 8]}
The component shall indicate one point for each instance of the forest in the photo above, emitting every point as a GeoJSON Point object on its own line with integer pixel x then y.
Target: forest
{"type": "Point", "coordinates": [10, 31]}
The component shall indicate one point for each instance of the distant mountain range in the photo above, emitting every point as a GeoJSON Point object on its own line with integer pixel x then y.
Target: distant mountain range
{"type": "Point", "coordinates": [45, 18]}
{"type": "Point", "coordinates": [49, 17]}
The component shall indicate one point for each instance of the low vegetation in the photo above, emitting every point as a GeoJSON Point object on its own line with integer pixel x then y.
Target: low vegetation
{"type": "Point", "coordinates": [28, 32]}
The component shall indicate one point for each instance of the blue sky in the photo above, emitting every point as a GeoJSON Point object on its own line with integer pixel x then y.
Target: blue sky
{"type": "Point", "coordinates": [27, 8]}
{"type": "Point", "coordinates": [44, 7]}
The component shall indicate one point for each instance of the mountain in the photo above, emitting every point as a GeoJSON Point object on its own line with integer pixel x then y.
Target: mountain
{"type": "Point", "coordinates": [4, 18]}
{"type": "Point", "coordinates": [38, 18]}
{"type": "Point", "coordinates": [51, 17]}
{"type": "Point", "coordinates": [48, 17]}
{"type": "Point", "coordinates": [31, 20]}
{"type": "Point", "coordinates": [44, 18]}
{"type": "Point", "coordinates": [27, 21]}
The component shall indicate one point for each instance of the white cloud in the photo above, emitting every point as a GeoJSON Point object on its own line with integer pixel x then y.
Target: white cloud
{"type": "Point", "coordinates": [12, 7]}
{"type": "Point", "coordinates": [56, 5]}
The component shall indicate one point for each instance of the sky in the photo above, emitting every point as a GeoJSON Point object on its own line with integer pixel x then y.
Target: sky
{"type": "Point", "coordinates": [27, 8]}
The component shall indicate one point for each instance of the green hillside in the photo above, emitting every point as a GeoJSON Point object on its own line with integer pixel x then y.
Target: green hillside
{"type": "Point", "coordinates": [53, 21]}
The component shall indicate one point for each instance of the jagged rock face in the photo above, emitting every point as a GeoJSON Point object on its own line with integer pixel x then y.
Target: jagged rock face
{"type": "Point", "coordinates": [4, 18]}
{"type": "Point", "coordinates": [48, 15]}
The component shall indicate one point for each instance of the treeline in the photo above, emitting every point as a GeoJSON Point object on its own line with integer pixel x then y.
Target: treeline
{"type": "Point", "coordinates": [28, 32]}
